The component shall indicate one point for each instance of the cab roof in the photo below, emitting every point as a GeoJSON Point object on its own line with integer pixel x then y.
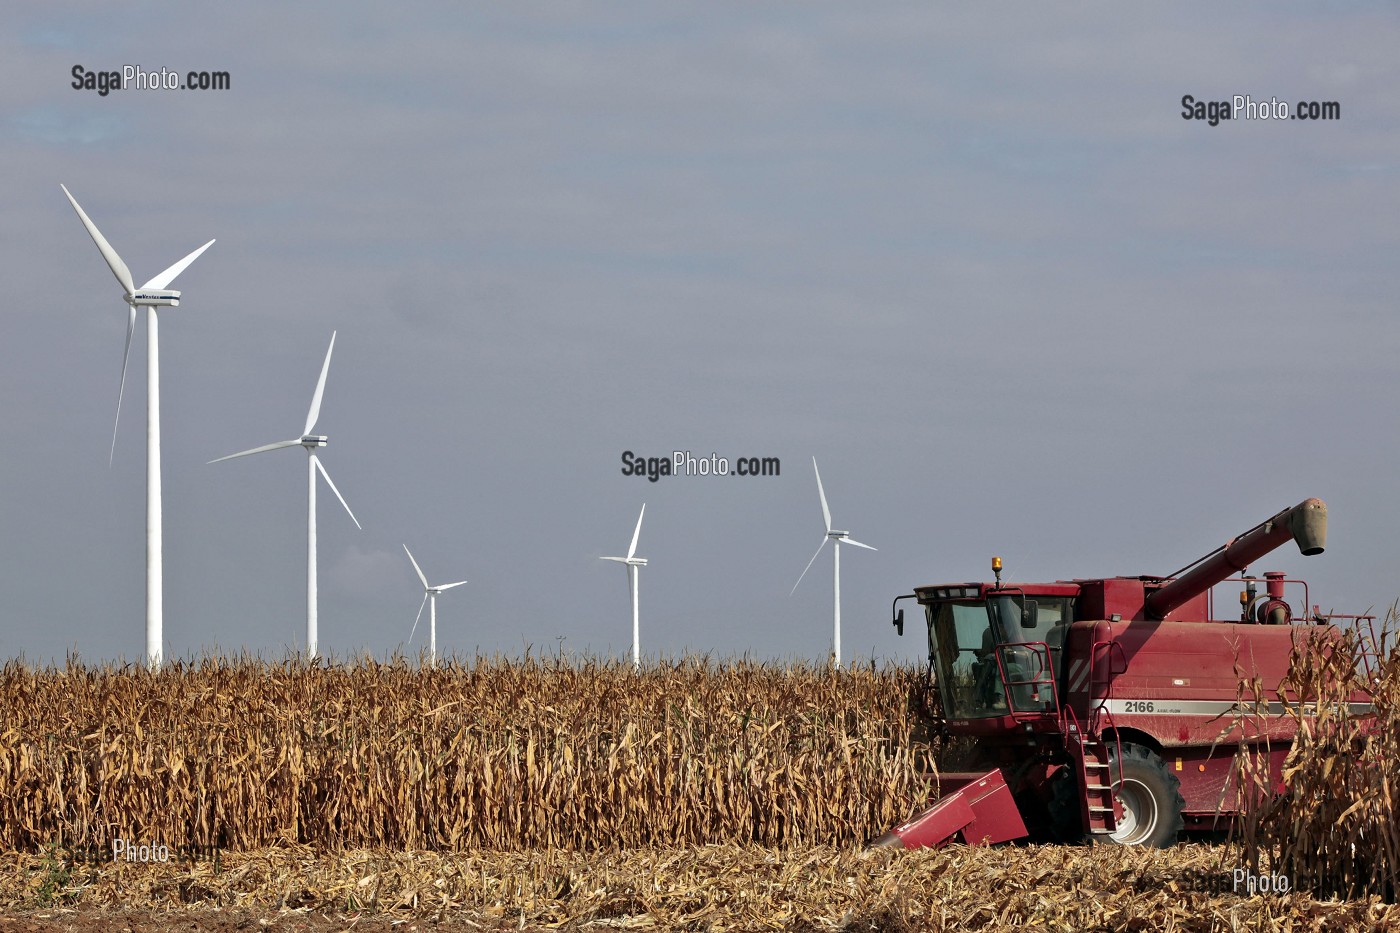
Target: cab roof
{"type": "Point", "coordinates": [945, 591]}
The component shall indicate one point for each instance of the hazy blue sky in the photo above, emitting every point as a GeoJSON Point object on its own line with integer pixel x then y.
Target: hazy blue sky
{"type": "Point", "coordinates": [973, 260]}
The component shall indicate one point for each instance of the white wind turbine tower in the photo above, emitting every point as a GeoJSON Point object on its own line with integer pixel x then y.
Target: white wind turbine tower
{"type": "Point", "coordinates": [152, 295]}
{"type": "Point", "coordinates": [310, 442]}
{"type": "Point", "coordinates": [633, 562]}
{"type": "Point", "coordinates": [430, 595]}
{"type": "Point", "coordinates": [837, 538]}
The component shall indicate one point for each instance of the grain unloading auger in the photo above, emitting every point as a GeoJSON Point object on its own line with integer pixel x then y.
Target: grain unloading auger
{"type": "Point", "coordinates": [1096, 707]}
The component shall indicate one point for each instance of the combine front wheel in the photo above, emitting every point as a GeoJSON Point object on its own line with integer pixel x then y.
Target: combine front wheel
{"type": "Point", "coordinates": [1151, 799]}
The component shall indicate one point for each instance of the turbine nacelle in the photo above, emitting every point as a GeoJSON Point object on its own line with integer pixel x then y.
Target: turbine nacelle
{"type": "Point", "coordinates": [314, 440]}
{"type": "Point", "coordinates": [154, 298]}
{"type": "Point", "coordinates": [629, 561]}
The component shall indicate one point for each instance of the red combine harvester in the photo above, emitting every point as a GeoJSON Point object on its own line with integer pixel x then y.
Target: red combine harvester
{"type": "Point", "coordinates": [1100, 708]}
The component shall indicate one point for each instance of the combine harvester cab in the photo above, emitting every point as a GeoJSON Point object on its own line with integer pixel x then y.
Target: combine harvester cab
{"type": "Point", "coordinates": [1107, 708]}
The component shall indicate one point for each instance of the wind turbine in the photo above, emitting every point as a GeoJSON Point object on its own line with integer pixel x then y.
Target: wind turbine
{"type": "Point", "coordinates": [633, 562]}
{"type": "Point", "coordinates": [152, 295]}
{"type": "Point", "coordinates": [310, 442]}
{"type": "Point", "coordinates": [430, 595]}
{"type": "Point", "coordinates": [837, 538]}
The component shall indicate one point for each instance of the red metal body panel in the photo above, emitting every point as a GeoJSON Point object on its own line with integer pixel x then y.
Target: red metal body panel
{"type": "Point", "coordinates": [1126, 597]}
{"type": "Point", "coordinates": [1177, 682]}
{"type": "Point", "coordinates": [1208, 785]}
{"type": "Point", "coordinates": [980, 811]}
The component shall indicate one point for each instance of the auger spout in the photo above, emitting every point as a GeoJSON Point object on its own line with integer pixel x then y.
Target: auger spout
{"type": "Point", "coordinates": [1305, 523]}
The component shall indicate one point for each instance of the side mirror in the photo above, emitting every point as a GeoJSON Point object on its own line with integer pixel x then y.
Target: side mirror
{"type": "Point", "coordinates": [897, 615]}
{"type": "Point", "coordinates": [1030, 614]}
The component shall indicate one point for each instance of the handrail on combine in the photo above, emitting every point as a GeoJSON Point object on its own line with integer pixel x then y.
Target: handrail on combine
{"type": "Point", "coordinates": [1102, 709]}
{"type": "Point", "coordinates": [1043, 676]}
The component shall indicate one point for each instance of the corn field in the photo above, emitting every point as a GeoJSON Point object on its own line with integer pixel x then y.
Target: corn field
{"type": "Point", "coordinates": [1332, 830]}
{"type": "Point", "coordinates": [499, 754]}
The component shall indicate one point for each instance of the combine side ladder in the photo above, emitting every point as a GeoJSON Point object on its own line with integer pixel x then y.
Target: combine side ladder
{"type": "Point", "coordinates": [1090, 756]}
{"type": "Point", "coordinates": [1089, 752]}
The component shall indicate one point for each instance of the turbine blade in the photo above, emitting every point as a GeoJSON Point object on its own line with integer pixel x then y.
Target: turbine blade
{"type": "Point", "coordinates": [114, 262]}
{"type": "Point", "coordinates": [327, 477]}
{"type": "Point", "coordinates": [809, 565]}
{"type": "Point", "coordinates": [165, 278]}
{"type": "Point", "coordinates": [637, 531]}
{"type": "Point", "coordinates": [448, 586]}
{"type": "Point", "coordinates": [315, 411]}
{"type": "Point", "coordinates": [826, 512]}
{"type": "Point", "coordinates": [415, 566]}
{"type": "Point", "coordinates": [258, 450]}
{"type": "Point", "coordinates": [417, 617]}
{"type": "Point", "coordinates": [849, 540]}
{"type": "Point", "coordinates": [121, 388]}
